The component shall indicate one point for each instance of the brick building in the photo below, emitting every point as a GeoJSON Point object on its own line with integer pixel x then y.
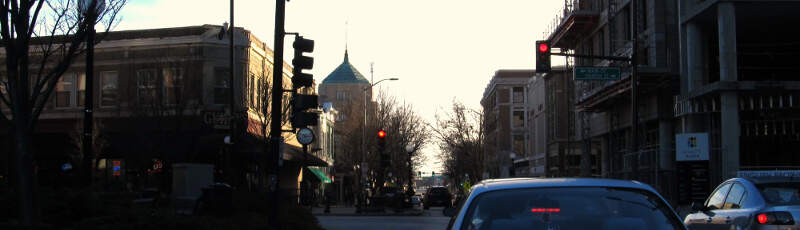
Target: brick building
{"type": "Point", "coordinates": [162, 96]}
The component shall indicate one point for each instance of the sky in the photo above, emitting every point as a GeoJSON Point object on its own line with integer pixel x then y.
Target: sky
{"type": "Point", "coordinates": [441, 50]}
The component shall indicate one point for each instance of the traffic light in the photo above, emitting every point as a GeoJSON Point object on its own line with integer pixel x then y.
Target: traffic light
{"type": "Point", "coordinates": [542, 57]}
{"type": "Point", "coordinates": [386, 159]}
{"type": "Point", "coordinates": [300, 62]}
{"type": "Point", "coordinates": [300, 117]}
{"type": "Point", "coordinates": [419, 173]}
{"type": "Point", "coordinates": [433, 173]}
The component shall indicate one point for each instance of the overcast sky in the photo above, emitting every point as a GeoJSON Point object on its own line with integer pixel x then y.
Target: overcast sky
{"type": "Point", "coordinates": [440, 49]}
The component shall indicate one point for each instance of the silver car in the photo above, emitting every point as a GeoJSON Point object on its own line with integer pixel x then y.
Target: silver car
{"type": "Point", "coordinates": [749, 203]}
{"type": "Point", "coordinates": [563, 203]}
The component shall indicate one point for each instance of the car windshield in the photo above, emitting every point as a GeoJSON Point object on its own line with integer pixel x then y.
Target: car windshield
{"type": "Point", "coordinates": [780, 193]}
{"type": "Point", "coordinates": [569, 208]}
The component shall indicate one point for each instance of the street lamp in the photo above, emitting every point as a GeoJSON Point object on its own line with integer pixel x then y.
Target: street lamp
{"type": "Point", "coordinates": [89, 8]}
{"type": "Point", "coordinates": [363, 130]}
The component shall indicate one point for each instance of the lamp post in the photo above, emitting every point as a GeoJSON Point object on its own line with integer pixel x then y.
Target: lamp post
{"type": "Point", "coordinates": [363, 136]}
{"type": "Point", "coordinates": [411, 149]}
{"type": "Point", "coordinates": [89, 8]}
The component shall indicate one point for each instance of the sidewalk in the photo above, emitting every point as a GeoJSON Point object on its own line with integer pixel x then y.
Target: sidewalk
{"type": "Point", "coordinates": [351, 211]}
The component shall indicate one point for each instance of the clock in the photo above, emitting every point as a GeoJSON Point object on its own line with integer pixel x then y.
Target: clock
{"type": "Point", "coordinates": [305, 136]}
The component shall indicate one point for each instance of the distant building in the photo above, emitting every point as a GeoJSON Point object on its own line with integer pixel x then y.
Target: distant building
{"type": "Point", "coordinates": [344, 87]}
{"type": "Point", "coordinates": [505, 107]}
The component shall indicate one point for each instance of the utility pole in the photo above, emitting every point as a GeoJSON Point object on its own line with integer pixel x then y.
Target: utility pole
{"type": "Point", "coordinates": [634, 90]}
{"type": "Point", "coordinates": [275, 115]}
{"type": "Point", "coordinates": [231, 117]}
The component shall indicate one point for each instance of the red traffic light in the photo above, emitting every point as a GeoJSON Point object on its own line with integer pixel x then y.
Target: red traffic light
{"type": "Point", "coordinates": [543, 47]}
{"type": "Point", "coordinates": [381, 134]}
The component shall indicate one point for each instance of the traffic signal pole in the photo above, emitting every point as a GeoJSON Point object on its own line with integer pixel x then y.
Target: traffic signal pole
{"type": "Point", "coordinates": [275, 113]}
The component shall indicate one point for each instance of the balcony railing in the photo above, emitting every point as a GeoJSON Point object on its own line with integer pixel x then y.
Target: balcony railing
{"type": "Point", "coordinates": [575, 17]}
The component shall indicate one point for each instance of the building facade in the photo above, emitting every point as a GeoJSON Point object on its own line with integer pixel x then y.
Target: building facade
{"type": "Point", "coordinates": [163, 97]}
{"type": "Point", "coordinates": [736, 85]}
{"type": "Point", "coordinates": [505, 110]}
{"type": "Point", "coordinates": [604, 123]}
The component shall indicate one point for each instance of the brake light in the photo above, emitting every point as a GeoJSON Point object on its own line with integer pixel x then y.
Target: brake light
{"type": "Point", "coordinates": [762, 218]}
{"type": "Point", "coordinates": [545, 210]}
{"type": "Point", "coordinates": [775, 218]}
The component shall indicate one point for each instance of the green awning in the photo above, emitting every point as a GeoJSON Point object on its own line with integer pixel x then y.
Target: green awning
{"type": "Point", "coordinates": [320, 175]}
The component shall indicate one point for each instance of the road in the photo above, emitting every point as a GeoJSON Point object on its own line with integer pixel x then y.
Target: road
{"type": "Point", "coordinates": [431, 220]}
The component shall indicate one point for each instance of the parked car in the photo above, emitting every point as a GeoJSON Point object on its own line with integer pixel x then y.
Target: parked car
{"type": "Point", "coordinates": [437, 196]}
{"type": "Point", "coordinates": [567, 203]}
{"type": "Point", "coordinates": [416, 201]}
{"type": "Point", "coordinates": [755, 200]}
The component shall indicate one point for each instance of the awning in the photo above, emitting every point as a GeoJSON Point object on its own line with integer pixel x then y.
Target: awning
{"type": "Point", "coordinates": [320, 175]}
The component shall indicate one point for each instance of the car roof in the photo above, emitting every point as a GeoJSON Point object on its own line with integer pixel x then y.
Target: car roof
{"type": "Point", "coordinates": [767, 180]}
{"type": "Point", "coordinates": [516, 183]}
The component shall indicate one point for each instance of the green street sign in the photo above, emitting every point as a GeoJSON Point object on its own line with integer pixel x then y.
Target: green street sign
{"type": "Point", "coordinates": [591, 73]}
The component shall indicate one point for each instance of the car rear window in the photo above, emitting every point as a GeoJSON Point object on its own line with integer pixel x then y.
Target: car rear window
{"type": "Point", "coordinates": [569, 208]}
{"type": "Point", "coordinates": [780, 193]}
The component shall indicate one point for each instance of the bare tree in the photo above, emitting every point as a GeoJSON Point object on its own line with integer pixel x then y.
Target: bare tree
{"type": "Point", "coordinates": [41, 39]}
{"type": "Point", "coordinates": [459, 134]}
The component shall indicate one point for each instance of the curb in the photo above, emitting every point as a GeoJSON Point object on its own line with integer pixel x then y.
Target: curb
{"type": "Point", "coordinates": [370, 214]}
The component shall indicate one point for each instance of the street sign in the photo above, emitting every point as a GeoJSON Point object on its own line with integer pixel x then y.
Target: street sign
{"type": "Point", "coordinates": [592, 73]}
{"type": "Point", "coordinates": [691, 147]}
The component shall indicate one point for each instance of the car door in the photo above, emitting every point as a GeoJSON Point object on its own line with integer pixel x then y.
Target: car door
{"type": "Point", "coordinates": [732, 215]}
{"type": "Point", "coordinates": [704, 220]}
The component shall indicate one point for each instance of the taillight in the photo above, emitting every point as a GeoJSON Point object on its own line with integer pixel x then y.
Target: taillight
{"type": "Point", "coordinates": [545, 210]}
{"type": "Point", "coordinates": [775, 218]}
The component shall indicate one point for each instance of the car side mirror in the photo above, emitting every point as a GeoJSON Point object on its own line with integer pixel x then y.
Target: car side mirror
{"type": "Point", "coordinates": [699, 207]}
{"type": "Point", "coordinates": [450, 211]}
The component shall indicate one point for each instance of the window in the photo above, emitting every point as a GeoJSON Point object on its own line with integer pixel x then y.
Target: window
{"type": "Point", "coordinates": [735, 197]}
{"type": "Point", "coordinates": [519, 145]}
{"type": "Point", "coordinates": [519, 119]}
{"type": "Point", "coordinates": [558, 208]}
{"type": "Point", "coordinates": [221, 92]}
{"type": "Point", "coordinates": [109, 88]}
{"type": "Point", "coordinates": [718, 198]}
{"type": "Point", "coordinates": [64, 90]}
{"type": "Point", "coordinates": [81, 99]}
{"type": "Point", "coordinates": [786, 193]}
{"type": "Point", "coordinates": [173, 85]}
{"type": "Point", "coordinates": [518, 94]}
{"type": "Point", "coordinates": [146, 86]}
{"type": "Point", "coordinates": [3, 85]}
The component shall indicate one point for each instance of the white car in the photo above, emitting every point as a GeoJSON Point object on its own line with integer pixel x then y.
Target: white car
{"type": "Point", "coordinates": [563, 203]}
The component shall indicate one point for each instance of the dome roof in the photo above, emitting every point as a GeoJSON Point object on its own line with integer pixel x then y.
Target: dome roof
{"type": "Point", "coordinates": [345, 73]}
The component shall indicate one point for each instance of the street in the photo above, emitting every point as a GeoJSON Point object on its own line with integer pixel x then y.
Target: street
{"type": "Point", "coordinates": [430, 220]}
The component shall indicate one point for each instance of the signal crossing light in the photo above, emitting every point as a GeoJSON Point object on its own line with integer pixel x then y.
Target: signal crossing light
{"type": "Point", "coordinates": [419, 173]}
{"type": "Point", "coordinates": [433, 173]}
{"type": "Point", "coordinates": [543, 57]}
{"type": "Point", "coordinates": [299, 116]}
{"type": "Point", "coordinates": [300, 62]}
{"type": "Point", "coordinates": [386, 159]}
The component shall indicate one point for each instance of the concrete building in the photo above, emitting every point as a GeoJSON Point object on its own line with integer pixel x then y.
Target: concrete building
{"type": "Point", "coordinates": [604, 124]}
{"type": "Point", "coordinates": [737, 85]}
{"type": "Point", "coordinates": [505, 109]}
{"type": "Point", "coordinates": [162, 96]}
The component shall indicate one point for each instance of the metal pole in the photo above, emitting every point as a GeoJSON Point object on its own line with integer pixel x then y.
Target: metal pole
{"type": "Point", "coordinates": [232, 100]}
{"type": "Point", "coordinates": [275, 115]}
{"type": "Point", "coordinates": [89, 95]}
{"type": "Point", "coordinates": [363, 154]}
{"type": "Point", "coordinates": [634, 90]}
